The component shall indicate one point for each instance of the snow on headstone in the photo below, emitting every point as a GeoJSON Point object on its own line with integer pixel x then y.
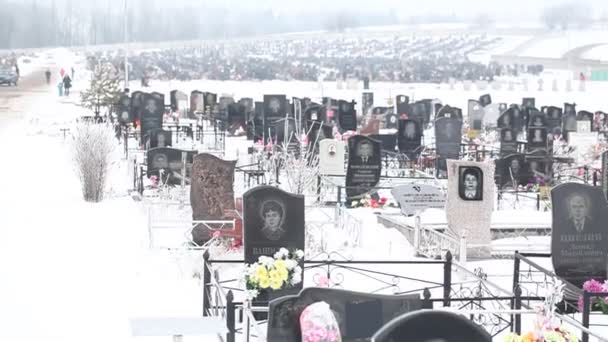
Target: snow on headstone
{"type": "Point", "coordinates": [470, 202]}
{"type": "Point", "coordinates": [416, 198]}
{"type": "Point", "coordinates": [331, 157]}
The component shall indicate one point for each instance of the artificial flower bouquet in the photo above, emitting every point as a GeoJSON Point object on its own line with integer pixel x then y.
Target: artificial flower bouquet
{"type": "Point", "coordinates": [597, 303]}
{"type": "Point", "coordinates": [557, 335]}
{"type": "Point", "coordinates": [279, 272]}
{"type": "Point", "coordinates": [369, 202]}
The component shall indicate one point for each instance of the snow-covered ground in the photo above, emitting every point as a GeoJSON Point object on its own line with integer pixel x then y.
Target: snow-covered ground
{"type": "Point", "coordinates": [74, 271]}
{"type": "Point", "coordinates": [555, 45]}
{"type": "Point", "coordinates": [599, 53]}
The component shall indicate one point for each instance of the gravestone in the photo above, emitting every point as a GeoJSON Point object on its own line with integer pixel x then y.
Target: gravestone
{"type": "Point", "coordinates": [211, 194]}
{"type": "Point", "coordinates": [388, 142]}
{"type": "Point", "coordinates": [182, 104]}
{"type": "Point", "coordinates": [359, 315]}
{"type": "Point", "coordinates": [537, 139]}
{"type": "Point", "coordinates": [403, 104]}
{"type": "Point", "coordinates": [583, 126]}
{"type": "Point", "coordinates": [367, 103]}
{"type": "Point", "coordinates": [409, 138]}
{"type": "Point", "coordinates": [528, 102]}
{"type": "Point", "coordinates": [448, 137]}
{"type": "Point", "coordinates": [136, 105]}
{"type": "Point", "coordinates": [605, 173]}
{"type": "Point", "coordinates": [491, 115]}
{"type": "Point", "coordinates": [317, 133]}
{"type": "Point", "coordinates": [364, 166]}
{"type": "Point", "coordinates": [512, 169]}
{"type": "Point", "coordinates": [579, 234]}
{"type": "Point", "coordinates": [275, 108]}
{"type": "Point", "coordinates": [159, 138]}
{"type": "Point", "coordinates": [485, 100]}
{"type": "Point", "coordinates": [422, 326]}
{"type": "Point", "coordinates": [475, 114]}
{"type": "Point", "coordinates": [197, 102]}
{"type": "Point", "coordinates": [151, 114]}
{"type": "Point", "coordinates": [569, 109]}
{"type": "Point", "coordinates": [554, 119]}
{"type": "Point", "coordinates": [537, 119]}
{"type": "Point", "coordinates": [508, 142]}
{"type": "Point", "coordinates": [569, 123]}
{"type": "Point", "coordinates": [449, 112]}
{"type": "Point", "coordinates": [470, 202]}
{"type": "Point", "coordinates": [505, 120]}
{"type": "Point", "coordinates": [520, 118]}
{"type": "Point", "coordinates": [585, 116]}
{"type": "Point", "coordinates": [210, 102]}
{"type": "Point", "coordinates": [416, 198]}
{"type": "Point", "coordinates": [347, 116]}
{"type": "Point", "coordinates": [124, 110]}
{"type": "Point", "coordinates": [331, 157]}
{"type": "Point", "coordinates": [420, 112]}
{"type": "Point", "coordinates": [272, 219]}
{"type": "Point", "coordinates": [392, 121]}
{"type": "Point", "coordinates": [169, 160]}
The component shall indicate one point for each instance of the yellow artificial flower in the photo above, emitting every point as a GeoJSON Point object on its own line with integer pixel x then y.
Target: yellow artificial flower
{"type": "Point", "coordinates": [274, 274]}
{"type": "Point", "coordinates": [280, 264]}
{"type": "Point", "coordinates": [261, 272]}
{"type": "Point", "coordinates": [264, 282]}
{"type": "Point", "coordinates": [529, 337]}
{"type": "Point", "coordinates": [276, 283]}
{"type": "Point", "coordinates": [283, 274]}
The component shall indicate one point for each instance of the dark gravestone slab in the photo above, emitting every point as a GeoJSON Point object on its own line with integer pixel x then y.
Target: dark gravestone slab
{"type": "Point", "coordinates": [584, 115]}
{"type": "Point", "coordinates": [314, 113]}
{"type": "Point", "coordinates": [403, 104]}
{"type": "Point", "coordinates": [409, 138]}
{"type": "Point", "coordinates": [554, 119]}
{"type": "Point", "coordinates": [432, 326]}
{"type": "Point", "coordinates": [211, 194]}
{"type": "Point", "coordinates": [579, 234]}
{"type": "Point", "coordinates": [485, 100]}
{"type": "Point", "coordinates": [569, 109]}
{"type": "Point", "coordinates": [449, 112]}
{"type": "Point", "coordinates": [247, 103]}
{"type": "Point", "coordinates": [136, 105]}
{"type": "Point", "coordinates": [151, 114]}
{"type": "Point", "coordinates": [392, 121]}
{"type": "Point", "coordinates": [316, 133]}
{"type": "Point", "coordinates": [169, 160]}
{"type": "Point", "coordinates": [529, 102]}
{"type": "Point", "coordinates": [605, 173]}
{"type": "Point", "coordinates": [537, 139]}
{"type": "Point", "coordinates": [347, 116]}
{"type": "Point", "coordinates": [505, 120]}
{"type": "Point", "coordinates": [364, 165]}
{"type": "Point", "coordinates": [508, 142]}
{"type": "Point", "coordinates": [258, 121]}
{"type": "Point", "coordinates": [537, 119]}
{"type": "Point", "coordinates": [124, 110]}
{"type": "Point", "coordinates": [475, 114]}
{"type": "Point", "coordinates": [272, 219]}
{"type": "Point", "coordinates": [420, 112]}
{"type": "Point", "coordinates": [387, 141]}
{"type": "Point", "coordinates": [359, 315]}
{"type": "Point", "coordinates": [275, 108]}
{"type": "Point", "coordinates": [448, 136]}
{"type": "Point", "coordinates": [512, 168]}
{"type": "Point", "coordinates": [210, 101]}
{"type": "Point", "coordinates": [569, 123]}
{"type": "Point", "coordinates": [159, 138]}
{"type": "Point", "coordinates": [520, 118]}
{"type": "Point", "coordinates": [173, 100]}
{"type": "Point", "coordinates": [381, 111]}
{"type": "Point", "coordinates": [284, 131]}
{"type": "Point", "coordinates": [367, 103]}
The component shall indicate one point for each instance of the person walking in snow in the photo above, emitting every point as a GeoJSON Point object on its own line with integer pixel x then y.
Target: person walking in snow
{"type": "Point", "coordinates": [67, 84]}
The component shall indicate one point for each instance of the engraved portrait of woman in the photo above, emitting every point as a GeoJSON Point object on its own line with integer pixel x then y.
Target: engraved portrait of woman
{"type": "Point", "coordinates": [272, 213]}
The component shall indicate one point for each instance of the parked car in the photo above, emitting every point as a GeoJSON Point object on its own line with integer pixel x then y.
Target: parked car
{"type": "Point", "coordinates": [8, 77]}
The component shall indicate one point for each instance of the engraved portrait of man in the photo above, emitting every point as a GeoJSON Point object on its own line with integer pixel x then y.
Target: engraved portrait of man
{"type": "Point", "coordinates": [579, 209]}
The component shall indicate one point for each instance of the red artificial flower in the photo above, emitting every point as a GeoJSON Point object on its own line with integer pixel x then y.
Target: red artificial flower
{"type": "Point", "coordinates": [374, 203]}
{"type": "Point", "coordinates": [383, 200]}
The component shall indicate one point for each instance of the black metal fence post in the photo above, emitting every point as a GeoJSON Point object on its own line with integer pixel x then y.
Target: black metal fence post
{"type": "Point", "coordinates": [538, 202]}
{"type": "Point", "coordinates": [447, 278]}
{"type": "Point", "coordinates": [517, 292]}
{"type": "Point", "coordinates": [206, 277]}
{"type": "Point", "coordinates": [339, 199]}
{"type": "Point", "coordinates": [319, 189]}
{"type": "Point", "coordinates": [586, 312]}
{"type": "Point", "coordinates": [426, 299]}
{"type": "Point", "coordinates": [516, 268]}
{"type": "Point", "coordinates": [230, 317]}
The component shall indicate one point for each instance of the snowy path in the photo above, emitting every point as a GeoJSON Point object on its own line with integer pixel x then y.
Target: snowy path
{"type": "Point", "coordinates": [70, 270]}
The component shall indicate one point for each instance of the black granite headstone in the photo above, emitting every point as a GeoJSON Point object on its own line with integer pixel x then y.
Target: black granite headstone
{"type": "Point", "coordinates": [403, 104]}
{"type": "Point", "coordinates": [347, 116]}
{"type": "Point", "coordinates": [449, 112]}
{"type": "Point", "coordinates": [579, 234]}
{"type": "Point", "coordinates": [508, 142]}
{"type": "Point", "coordinates": [364, 165]}
{"type": "Point", "coordinates": [392, 121]}
{"type": "Point", "coordinates": [448, 136]}
{"type": "Point", "coordinates": [159, 138]}
{"type": "Point", "coordinates": [528, 102]}
{"type": "Point", "coordinates": [272, 219]}
{"type": "Point", "coordinates": [409, 138]}
{"type": "Point", "coordinates": [485, 100]}
{"type": "Point", "coordinates": [432, 326]}
{"type": "Point", "coordinates": [388, 142]}
{"type": "Point", "coordinates": [569, 109]}
{"type": "Point", "coordinates": [152, 113]}
{"type": "Point", "coordinates": [136, 105]}
{"type": "Point", "coordinates": [475, 114]}
{"type": "Point", "coordinates": [554, 119]}
{"type": "Point", "coordinates": [537, 139]}
{"type": "Point", "coordinates": [170, 161]}
{"type": "Point", "coordinates": [368, 103]}
{"type": "Point", "coordinates": [197, 102]}
{"type": "Point", "coordinates": [359, 315]}
{"type": "Point", "coordinates": [512, 168]}
{"type": "Point", "coordinates": [537, 119]}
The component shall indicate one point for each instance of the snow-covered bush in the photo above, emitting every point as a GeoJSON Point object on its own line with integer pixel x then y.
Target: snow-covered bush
{"type": "Point", "coordinates": [92, 148]}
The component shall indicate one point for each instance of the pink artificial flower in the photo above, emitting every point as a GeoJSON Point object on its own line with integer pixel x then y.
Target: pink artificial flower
{"type": "Point", "coordinates": [323, 281]}
{"type": "Point", "coordinates": [593, 285]}
{"type": "Point", "coordinates": [216, 234]}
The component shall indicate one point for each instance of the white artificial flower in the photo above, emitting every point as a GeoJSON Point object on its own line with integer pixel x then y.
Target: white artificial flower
{"type": "Point", "coordinates": [282, 253]}
{"type": "Point", "coordinates": [290, 264]}
{"type": "Point", "coordinates": [252, 294]}
{"type": "Point", "coordinates": [297, 270]}
{"type": "Point", "coordinates": [299, 254]}
{"type": "Point", "coordinates": [296, 279]}
{"type": "Point", "coordinates": [266, 261]}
